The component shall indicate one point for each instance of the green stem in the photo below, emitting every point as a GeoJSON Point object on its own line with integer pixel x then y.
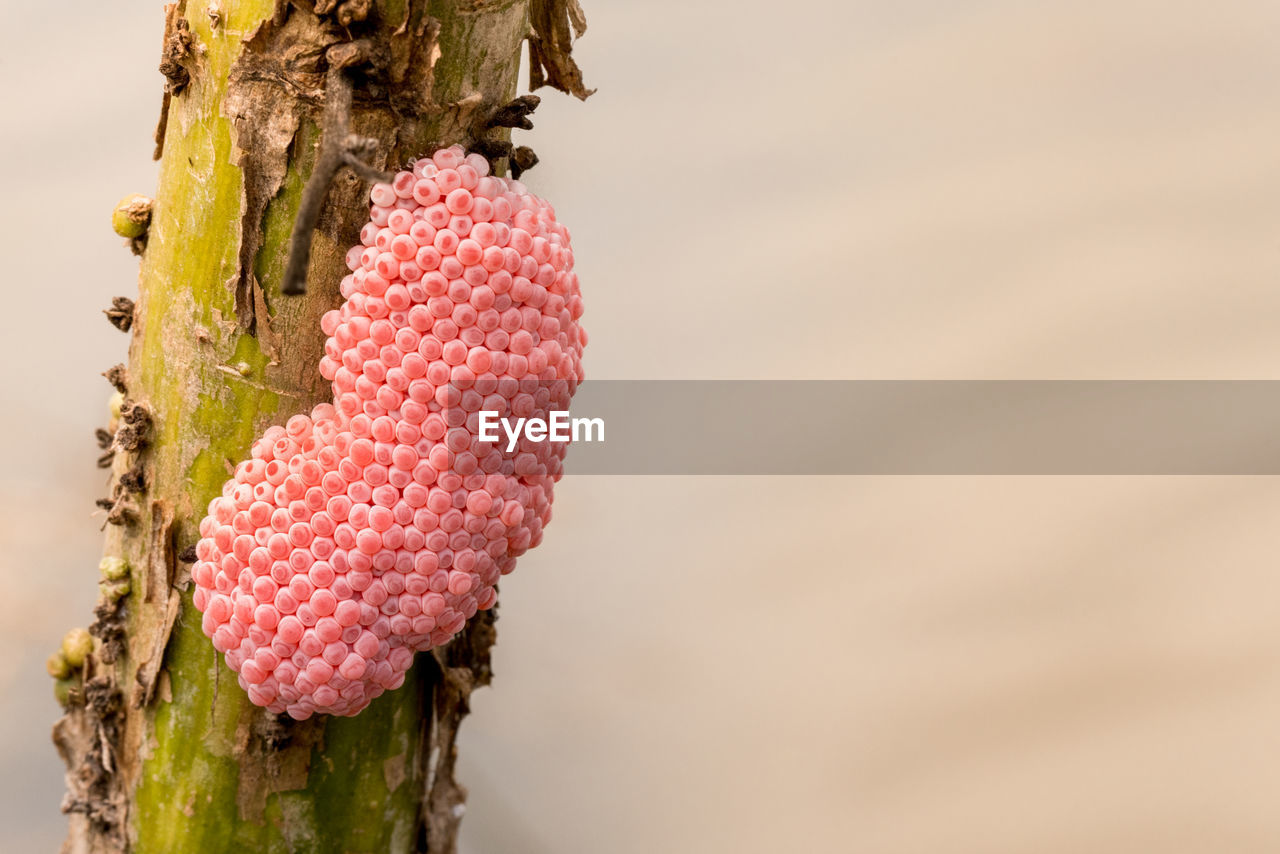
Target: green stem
{"type": "Point", "coordinates": [197, 767]}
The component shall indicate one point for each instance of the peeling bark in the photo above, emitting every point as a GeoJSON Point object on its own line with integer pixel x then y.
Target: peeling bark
{"type": "Point", "coordinates": [551, 60]}
{"type": "Point", "coordinates": [164, 751]}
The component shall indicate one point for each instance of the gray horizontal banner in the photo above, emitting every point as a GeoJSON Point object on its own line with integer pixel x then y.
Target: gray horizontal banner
{"type": "Point", "coordinates": [928, 427]}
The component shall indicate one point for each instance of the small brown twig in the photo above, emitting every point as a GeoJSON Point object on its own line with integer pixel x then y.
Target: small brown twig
{"type": "Point", "coordinates": [120, 510]}
{"type": "Point", "coordinates": [513, 114]}
{"type": "Point", "coordinates": [106, 439]}
{"type": "Point", "coordinates": [121, 313]}
{"type": "Point", "coordinates": [522, 160]}
{"type": "Point", "coordinates": [118, 376]}
{"type": "Point", "coordinates": [135, 479]}
{"type": "Point", "coordinates": [338, 147]}
{"type": "Point", "coordinates": [135, 427]}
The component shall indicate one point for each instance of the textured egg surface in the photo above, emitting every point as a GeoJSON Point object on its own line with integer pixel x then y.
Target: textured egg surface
{"type": "Point", "coordinates": [377, 526]}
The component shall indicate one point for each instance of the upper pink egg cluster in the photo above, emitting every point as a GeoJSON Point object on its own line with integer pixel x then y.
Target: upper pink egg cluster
{"type": "Point", "coordinates": [380, 524]}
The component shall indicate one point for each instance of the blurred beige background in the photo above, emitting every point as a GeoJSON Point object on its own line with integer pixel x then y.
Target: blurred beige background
{"type": "Point", "coordinates": [918, 189]}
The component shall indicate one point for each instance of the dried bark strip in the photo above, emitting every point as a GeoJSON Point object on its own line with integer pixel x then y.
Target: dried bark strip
{"type": "Point", "coordinates": [339, 147]}
{"type": "Point", "coordinates": [551, 61]}
{"type": "Point", "coordinates": [461, 667]}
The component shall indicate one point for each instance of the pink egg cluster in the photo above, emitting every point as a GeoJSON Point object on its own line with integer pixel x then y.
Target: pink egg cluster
{"type": "Point", "coordinates": [376, 527]}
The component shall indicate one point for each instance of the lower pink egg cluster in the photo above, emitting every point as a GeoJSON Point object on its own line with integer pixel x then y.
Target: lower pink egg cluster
{"type": "Point", "coordinates": [377, 526]}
